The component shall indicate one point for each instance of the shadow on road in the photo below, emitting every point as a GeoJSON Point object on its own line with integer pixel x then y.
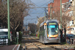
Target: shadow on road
{"type": "Point", "coordinates": [52, 44]}
{"type": "Point", "coordinates": [29, 40]}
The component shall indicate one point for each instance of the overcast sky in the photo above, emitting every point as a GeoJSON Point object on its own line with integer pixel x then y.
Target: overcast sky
{"type": "Point", "coordinates": [32, 18]}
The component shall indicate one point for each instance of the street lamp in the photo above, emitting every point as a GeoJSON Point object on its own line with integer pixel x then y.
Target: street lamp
{"type": "Point", "coordinates": [8, 22]}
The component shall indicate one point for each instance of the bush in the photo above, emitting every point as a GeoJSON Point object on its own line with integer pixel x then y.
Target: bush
{"type": "Point", "coordinates": [20, 36]}
{"type": "Point", "coordinates": [13, 41]}
{"type": "Point", "coordinates": [38, 35]}
{"type": "Point", "coordinates": [33, 34]}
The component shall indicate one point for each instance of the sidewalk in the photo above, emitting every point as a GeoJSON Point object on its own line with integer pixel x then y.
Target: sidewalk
{"type": "Point", "coordinates": [10, 47]}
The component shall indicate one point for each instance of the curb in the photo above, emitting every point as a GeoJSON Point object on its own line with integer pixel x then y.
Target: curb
{"type": "Point", "coordinates": [14, 47]}
{"type": "Point", "coordinates": [18, 47]}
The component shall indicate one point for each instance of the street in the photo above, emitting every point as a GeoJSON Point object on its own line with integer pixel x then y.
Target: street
{"type": "Point", "coordinates": [37, 24]}
{"type": "Point", "coordinates": [32, 43]}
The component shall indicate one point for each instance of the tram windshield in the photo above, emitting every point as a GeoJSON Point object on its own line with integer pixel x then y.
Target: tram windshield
{"type": "Point", "coordinates": [52, 29]}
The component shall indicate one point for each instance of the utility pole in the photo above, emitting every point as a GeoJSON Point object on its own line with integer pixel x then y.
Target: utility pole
{"type": "Point", "coordinates": [8, 22]}
{"type": "Point", "coordinates": [61, 20]}
{"type": "Point", "coordinates": [61, 13]}
{"type": "Point", "coordinates": [35, 27]}
{"type": "Point", "coordinates": [50, 11]}
{"type": "Point", "coordinates": [45, 15]}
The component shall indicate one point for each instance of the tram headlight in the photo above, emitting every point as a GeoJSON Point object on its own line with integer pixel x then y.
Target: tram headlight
{"type": "Point", "coordinates": [45, 23]}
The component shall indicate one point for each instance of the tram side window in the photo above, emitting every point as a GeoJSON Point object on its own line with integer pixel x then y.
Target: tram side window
{"type": "Point", "coordinates": [42, 30]}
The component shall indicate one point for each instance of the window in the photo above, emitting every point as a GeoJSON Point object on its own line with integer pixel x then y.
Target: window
{"type": "Point", "coordinates": [72, 21]}
{"type": "Point", "coordinates": [4, 35]}
{"type": "Point", "coordinates": [52, 29]}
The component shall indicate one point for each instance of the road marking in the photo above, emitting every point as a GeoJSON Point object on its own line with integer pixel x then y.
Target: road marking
{"type": "Point", "coordinates": [14, 47]}
{"type": "Point", "coordinates": [18, 47]}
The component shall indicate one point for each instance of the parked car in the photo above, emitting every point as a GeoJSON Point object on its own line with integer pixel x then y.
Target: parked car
{"type": "Point", "coordinates": [4, 36]}
{"type": "Point", "coordinates": [68, 36]}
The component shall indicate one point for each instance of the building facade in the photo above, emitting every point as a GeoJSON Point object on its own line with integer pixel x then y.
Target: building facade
{"type": "Point", "coordinates": [56, 6]}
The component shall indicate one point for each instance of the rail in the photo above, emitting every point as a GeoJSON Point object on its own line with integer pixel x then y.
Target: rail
{"type": "Point", "coordinates": [34, 45]}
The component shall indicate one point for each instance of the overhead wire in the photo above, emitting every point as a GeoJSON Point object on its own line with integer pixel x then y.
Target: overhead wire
{"type": "Point", "coordinates": [38, 6]}
{"type": "Point", "coordinates": [45, 3]}
{"type": "Point", "coordinates": [40, 1]}
{"type": "Point", "coordinates": [45, 7]}
{"type": "Point", "coordinates": [33, 3]}
{"type": "Point", "coordinates": [38, 12]}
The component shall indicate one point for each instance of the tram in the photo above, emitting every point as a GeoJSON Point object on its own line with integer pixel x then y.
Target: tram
{"type": "Point", "coordinates": [49, 32]}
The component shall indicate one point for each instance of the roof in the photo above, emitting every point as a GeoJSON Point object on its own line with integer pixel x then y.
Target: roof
{"type": "Point", "coordinates": [48, 21]}
{"type": "Point", "coordinates": [3, 30]}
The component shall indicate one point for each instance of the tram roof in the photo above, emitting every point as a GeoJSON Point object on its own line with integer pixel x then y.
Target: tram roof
{"type": "Point", "coordinates": [48, 21]}
{"type": "Point", "coordinates": [53, 20]}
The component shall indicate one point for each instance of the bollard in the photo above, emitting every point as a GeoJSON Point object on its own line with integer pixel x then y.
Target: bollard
{"type": "Point", "coordinates": [17, 36]}
{"type": "Point", "coordinates": [72, 41]}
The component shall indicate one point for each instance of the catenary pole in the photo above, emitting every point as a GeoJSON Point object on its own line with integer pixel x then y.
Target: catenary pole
{"type": "Point", "coordinates": [61, 20]}
{"type": "Point", "coordinates": [50, 11]}
{"type": "Point", "coordinates": [61, 13]}
{"type": "Point", "coordinates": [8, 22]}
{"type": "Point", "coordinates": [45, 15]}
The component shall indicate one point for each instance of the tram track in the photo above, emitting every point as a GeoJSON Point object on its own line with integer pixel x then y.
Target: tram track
{"type": "Point", "coordinates": [32, 44]}
{"type": "Point", "coordinates": [37, 47]}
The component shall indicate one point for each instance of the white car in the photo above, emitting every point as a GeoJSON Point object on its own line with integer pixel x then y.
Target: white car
{"type": "Point", "coordinates": [4, 36]}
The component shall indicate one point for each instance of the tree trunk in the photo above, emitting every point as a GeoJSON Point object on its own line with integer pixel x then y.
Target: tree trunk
{"type": "Point", "coordinates": [65, 34]}
{"type": "Point", "coordinates": [14, 31]}
{"type": "Point", "coordinates": [61, 35]}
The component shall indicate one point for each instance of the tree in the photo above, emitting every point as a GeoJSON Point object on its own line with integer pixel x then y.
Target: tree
{"type": "Point", "coordinates": [40, 20]}
{"type": "Point", "coordinates": [65, 20]}
{"type": "Point", "coordinates": [33, 27]}
{"type": "Point", "coordinates": [18, 10]}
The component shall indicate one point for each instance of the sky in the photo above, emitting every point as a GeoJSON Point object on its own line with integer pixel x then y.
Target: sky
{"type": "Point", "coordinates": [36, 12]}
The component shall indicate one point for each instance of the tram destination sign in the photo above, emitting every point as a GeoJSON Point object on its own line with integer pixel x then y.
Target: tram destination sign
{"type": "Point", "coordinates": [52, 23]}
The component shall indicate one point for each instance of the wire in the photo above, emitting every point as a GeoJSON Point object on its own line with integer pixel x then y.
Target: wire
{"type": "Point", "coordinates": [40, 1]}
{"type": "Point", "coordinates": [48, 7]}
{"type": "Point", "coordinates": [43, 7]}
{"type": "Point", "coordinates": [32, 18]}
{"type": "Point", "coordinates": [38, 13]}
{"type": "Point", "coordinates": [33, 3]}
{"type": "Point", "coordinates": [45, 3]}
